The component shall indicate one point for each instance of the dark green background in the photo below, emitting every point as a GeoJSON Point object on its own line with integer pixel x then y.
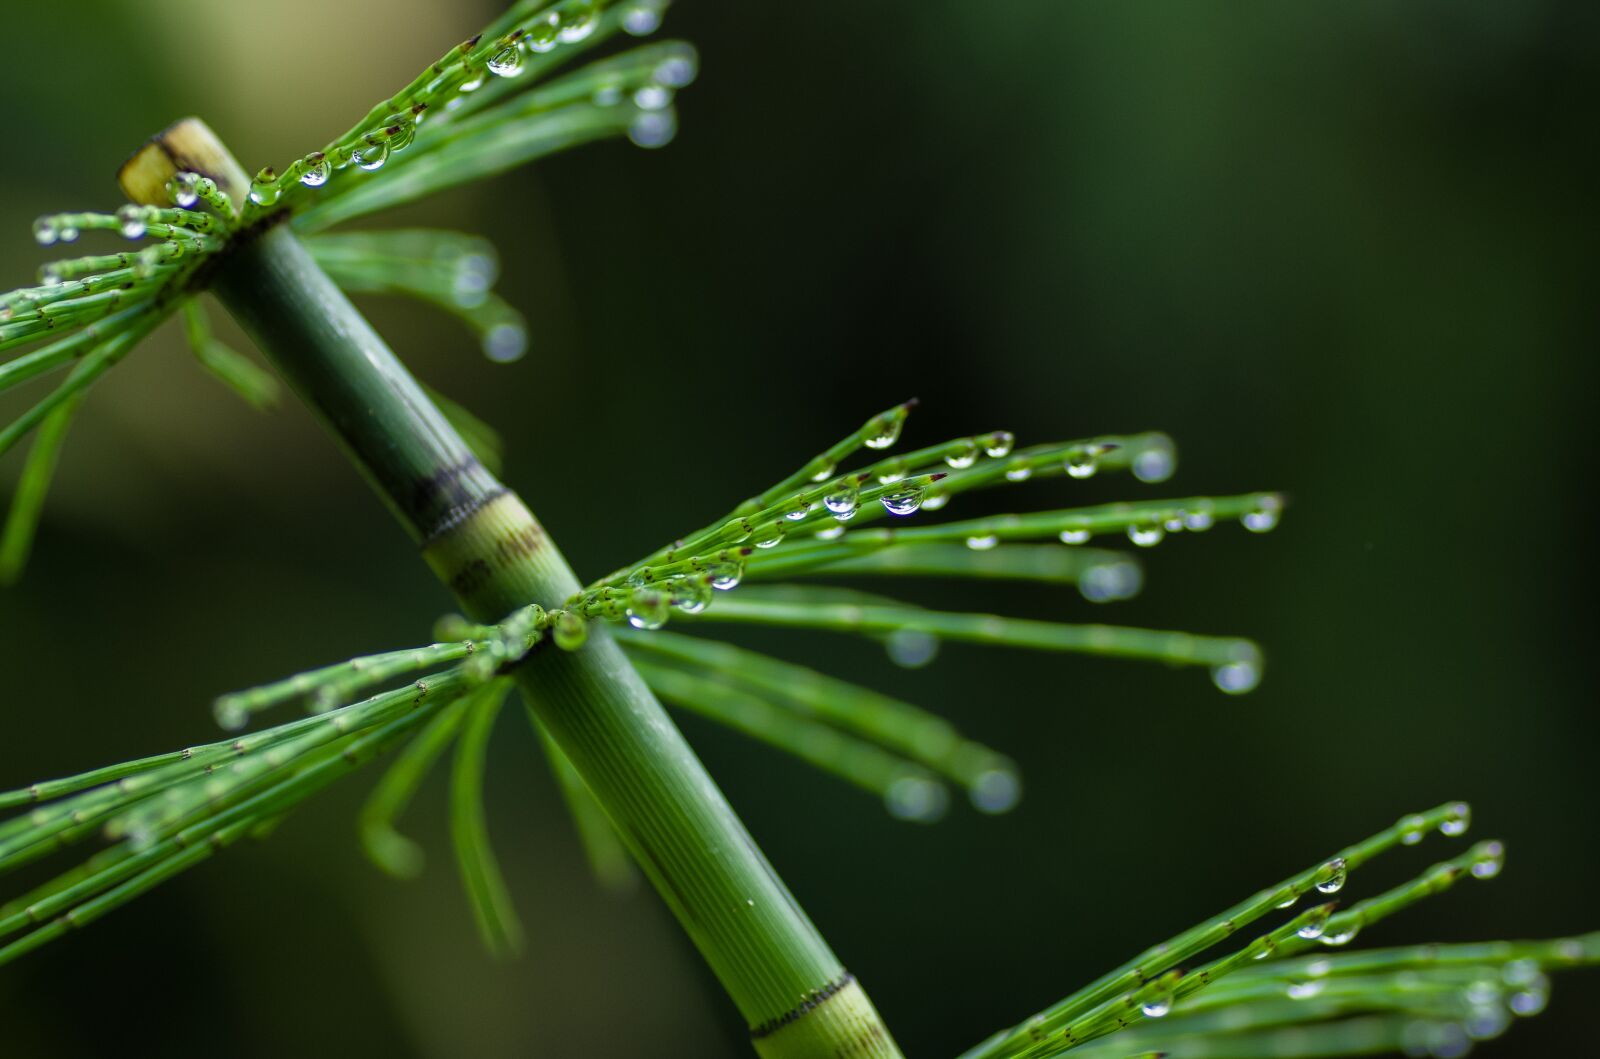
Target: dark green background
{"type": "Point", "coordinates": [1338, 249]}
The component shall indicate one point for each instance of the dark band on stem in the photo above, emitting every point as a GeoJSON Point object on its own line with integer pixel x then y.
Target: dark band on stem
{"type": "Point", "coordinates": [816, 999]}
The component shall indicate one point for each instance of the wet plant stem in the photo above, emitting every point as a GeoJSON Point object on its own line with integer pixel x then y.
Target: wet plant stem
{"type": "Point", "coordinates": [487, 547]}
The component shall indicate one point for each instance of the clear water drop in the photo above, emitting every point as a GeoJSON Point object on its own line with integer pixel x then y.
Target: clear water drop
{"type": "Point", "coordinates": [371, 154]}
{"type": "Point", "coordinates": [474, 79]}
{"type": "Point", "coordinates": [543, 35]}
{"type": "Point", "coordinates": [230, 713]}
{"type": "Point", "coordinates": [1411, 829]}
{"type": "Point", "coordinates": [1020, 472]}
{"type": "Point", "coordinates": [647, 608]}
{"type": "Point", "coordinates": [1107, 582]}
{"type": "Point", "coordinates": [1458, 820]}
{"type": "Point", "coordinates": [824, 471]}
{"type": "Point", "coordinates": [1155, 463]}
{"type": "Point", "coordinates": [578, 23]}
{"type": "Point", "coordinates": [652, 97]}
{"type": "Point", "coordinates": [995, 790]}
{"type": "Point", "coordinates": [1074, 536]}
{"type": "Point", "coordinates": [45, 231]}
{"type": "Point", "coordinates": [726, 576]}
{"type": "Point", "coordinates": [1200, 518]}
{"type": "Point", "coordinates": [399, 131]}
{"type": "Point", "coordinates": [1304, 990]}
{"type": "Point", "coordinates": [983, 543]}
{"type": "Point", "coordinates": [964, 456]}
{"type": "Point", "coordinates": [911, 648]}
{"type": "Point", "coordinates": [770, 535]}
{"type": "Point", "coordinates": [691, 594]}
{"type": "Point", "coordinates": [1343, 937]}
{"type": "Point", "coordinates": [934, 499]}
{"type": "Point", "coordinates": [1490, 859]}
{"type": "Point", "coordinates": [1081, 464]}
{"type": "Point", "coordinates": [1236, 678]}
{"type": "Point", "coordinates": [887, 433]}
{"type": "Point", "coordinates": [678, 71]}
{"type": "Point", "coordinates": [641, 20]}
{"type": "Point", "coordinates": [317, 170]}
{"type": "Point", "coordinates": [842, 501]}
{"type": "Point", "coordinates": [1315, 924]}
{"type": "Point", "coordinates": [1146, 534]}
{"type": "Point", "coordinates": [1288, 902]}
{"type": "Point", "coordinates": [916, 798]}
{"type": "Point", "coordinates": [569, 631]}
{"type": "Point", "coordinates": [1331, 879]}
{"type": "Point", "coordinates": [505, 342]}
{"type": "Point", "coordinates": [832, 533]}
{"type": "Point", "coordinates": [1264, 517]}
{"type": "Point", "coordinates": [1157, 1007]}
{"type": "Point", "coordinates": [799, 508]}
{"type": "Point", "coordinates": [905, 502]}
{"type": "Point", "coordinates": [131, 219]}
{"type": "Point", "coordinates": [652, 128]}
{"type": "Point", "coordinates": [181, 188]}
{"type": "Point", "coordinates": [892, 472]}
{"type": "Point", "coordinates": [1000, 444]}
{"type": "Point", "coordinates": [507, 62]}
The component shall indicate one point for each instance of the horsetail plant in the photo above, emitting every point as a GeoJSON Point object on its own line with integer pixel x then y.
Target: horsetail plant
{"type": "Point", "coordinates": [591, 661]}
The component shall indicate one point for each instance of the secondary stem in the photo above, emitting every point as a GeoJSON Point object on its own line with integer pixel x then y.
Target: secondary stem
{"type": "Point", "coordinates": [482, 542]}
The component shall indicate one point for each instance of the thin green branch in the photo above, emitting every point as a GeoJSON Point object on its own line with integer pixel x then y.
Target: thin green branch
{"type": "Point", "coordinates": [480, 872]}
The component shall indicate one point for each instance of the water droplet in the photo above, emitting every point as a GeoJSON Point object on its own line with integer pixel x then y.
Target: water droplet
{"type": "Point", "coordinates": [934, 499]}
{"type": "Point", "coordinates": [647, 608]}
{"type": "Point", "coordinates": [641, 20]}
{"type": "Point", "coordinates": [505, 342]}
{"type": "Point", "coordinates": [474, 79]}
{"type": "Point", "coordinates": [1319, 968]}
{"type": "Point", "coordinates": [995, 790]}
{"type": "Point", "coordinates": [1146, 535]}
{"type": "Point", "coordinates": [1487, 1021]}
{"type": "Point", "coordinates": [726, 576]}
{"type": "Point", "coordinates": [1074, 536]}
{"type": "Point", "coordinates": [132, 220]}
{"type": "Point", "coordinates": [911, 648]}
{"type": "Point", "coordinates": [832, 533]}
{"type": "Point", "coordinates": [842, 501]}
{"type": "Point", "coordinates": [570, 630]}
{"type": "Point", "coordinates": [1288, 902]}
{"type": "Point", "coordinates": [1532, 1000]}
{"type": "Point", "coordinates": [652, 97]}
{"type": "Point", "coordinates": [799, 508]}
{"type": "Point", "coordinates": [1106, 582]}
{"type": "Point", "coordinates": [543, 35]}
{"type": "Point", "coordinates": [1157, 1007]}
{"type": "Point", "coordinates": [1458, 820]}
{"type": "Point", "coordinates": [691, 594]}
{"type": "Point", "coordinates": [983, 543]}
{"type": "Point", "coordinates": [653, 128]}
{"type": "Point", "coordinates": [1264, 517]}
{"type": "Point", "coordinates": [963, 456]}
{"type": "Point", "coordinates": [892, 472]}
{"type": "Point", "coordinates": [316, 171]}
{"type": "Point", "coordinates": [578, 23]}
{"type": "Point", "coordinates": [1262, 948]}
{"type": "Point", "coordinates": [1200, 518]}
{"type": "Point", "coordinates": [1000, 444]}
{"type": "Point", "coordinates": [1156, 462]}
{"type": "Point", "coordinates": [905, 502]}
{"type": "Point", "coordinates": [181, 189]}
{"type": "Point", "coordinates": [507, 62]}
{"type": "Point", "coordinates": [1316, 922]}
{"type": "Point", "coordinates": [1490, 859]}
{"type": "Point", "coordinates": [1411, 829]}
{"type": "Point", "coordinates": [770, 535]}
{"type": "Point", "coordinates": [1331, 879]}
{"type": "Point", "coordinates": [1343, 937]}
{"type": "Point", "coordinates": [887, 432]}
{"type": "Point", "coordinates": [676, 72]}
{"type": "Point", "coordinates": [50, 275]}
{"type": "Point", "coordinates": [1081, 464]}
{"type": "Point", "coordinates": [371, 154]}
{"type": "Point", "coordinates": [263, 189]}
{"type": "Point", "coordinates": [824, 472]}
{"type": "Point", "coordinates": [399, 131]}
{"type": "Point", "coordinates": [1019, 472]}
{"type": "Point", "coordinates": [916, 798]}
{"type": "Point", "coordinates": [45, 232]}
{"type": "Point", "coordinates": [230, 713]}
{"type": "Point", "coordinates": [1236, 678]}
{"type": "Point", "coordinates": [1304, 990]}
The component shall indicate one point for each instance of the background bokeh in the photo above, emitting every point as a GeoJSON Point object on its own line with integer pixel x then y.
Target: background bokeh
{"type": "Point", "coordinates": [1343, 250]}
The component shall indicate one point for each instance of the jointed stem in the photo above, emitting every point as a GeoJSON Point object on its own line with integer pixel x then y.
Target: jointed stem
{"type": "Point", "coordinates": [489, 550]}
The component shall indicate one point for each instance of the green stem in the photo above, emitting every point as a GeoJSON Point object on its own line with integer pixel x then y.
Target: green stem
{"type": "Point", "coordinates": [487, 547]}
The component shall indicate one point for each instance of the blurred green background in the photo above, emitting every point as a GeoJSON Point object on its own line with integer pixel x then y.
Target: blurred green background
{"type": "Point", "coordinates": [1338, 249]}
